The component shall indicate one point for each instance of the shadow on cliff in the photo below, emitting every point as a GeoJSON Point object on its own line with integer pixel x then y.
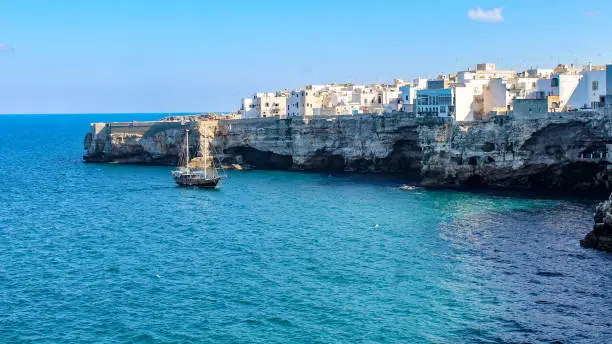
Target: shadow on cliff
{"type": "Point", "coordinates": [568, 158]}
{"type": "Point", "coordinates": [586, 179]}
{"type": "Point", "coordinates": [404, 161]}
{"type": "Point", "coordinates": [259, 159]}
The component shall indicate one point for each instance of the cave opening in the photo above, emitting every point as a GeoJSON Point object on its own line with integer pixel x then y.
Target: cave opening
{"type": "Point", "coordinates": [260, 159]}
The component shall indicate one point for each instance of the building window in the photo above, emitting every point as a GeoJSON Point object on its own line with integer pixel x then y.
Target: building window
{"type": "Point", "coordinates": [554, 82]}
{"type": "Point", "coordinates": [422, 100]}
{"type": "Point", "coordinates": [595, 85]}
{"type": "Point", "coordinates": [267, 104]}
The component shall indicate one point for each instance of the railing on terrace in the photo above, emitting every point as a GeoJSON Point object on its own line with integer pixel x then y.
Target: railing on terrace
{"type": "Point", "coordinates": [596, 156]}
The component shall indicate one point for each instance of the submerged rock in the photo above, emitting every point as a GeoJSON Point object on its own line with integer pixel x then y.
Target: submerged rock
{"type": "Point", "coordinates": [600, 237]}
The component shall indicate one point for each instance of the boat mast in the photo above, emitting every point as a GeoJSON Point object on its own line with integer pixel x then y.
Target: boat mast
{"type": "Point", "coordinates": [205, 153]}
{"type": "Point", "coordinates": [187, 148]}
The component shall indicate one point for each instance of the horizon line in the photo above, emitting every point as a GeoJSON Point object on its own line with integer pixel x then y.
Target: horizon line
{"type": "Point", "coordinates": [111, 113]}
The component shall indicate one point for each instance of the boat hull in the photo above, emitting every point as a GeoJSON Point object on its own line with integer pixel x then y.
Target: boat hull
{"type": "Point", "coordinates": [191, 182]}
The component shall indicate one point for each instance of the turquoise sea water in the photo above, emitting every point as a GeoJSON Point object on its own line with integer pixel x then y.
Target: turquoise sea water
{"type": "Point", "coordinates": [111, 253]}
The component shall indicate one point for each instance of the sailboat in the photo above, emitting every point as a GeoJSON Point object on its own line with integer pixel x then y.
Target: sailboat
{"type": "Point", "coordinates": [187, 176]}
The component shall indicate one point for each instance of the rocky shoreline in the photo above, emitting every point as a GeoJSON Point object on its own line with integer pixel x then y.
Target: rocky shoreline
{"type": "Point", "coordinates": [600, 237]}
{"type": "Point", "coordinates": [564, 153]}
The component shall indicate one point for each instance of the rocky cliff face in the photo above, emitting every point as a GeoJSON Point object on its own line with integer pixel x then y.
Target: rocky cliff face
{"type": "Point", "coordinates": [601, 236]}
{"type": "Point", "coordinates": [565, 153]}
{"type": "Point", "coordinates": [360, 144]}
{"type": "Point", "coordinates": [562, 154]}
{"type": "Point", "coordinates": [159, 143]}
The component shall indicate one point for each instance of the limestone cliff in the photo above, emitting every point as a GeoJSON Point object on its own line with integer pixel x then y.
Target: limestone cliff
{"type": "Point", "coordinates": [137, 143]}
{"type": "Point", "coordinates": [566, 152]}
{"type": "Point", "coordinates": [360, 143]}
{"type": "Point", "coordinates": [601, 236]}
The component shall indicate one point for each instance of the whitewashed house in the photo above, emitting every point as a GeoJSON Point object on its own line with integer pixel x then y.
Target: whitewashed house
{"type": "Point", "coordinates": [265, 104]}
{"type": "Point", "coordinates": [590, 91]}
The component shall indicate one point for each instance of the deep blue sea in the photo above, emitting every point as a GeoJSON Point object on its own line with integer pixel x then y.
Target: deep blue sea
{"type": "Point", "coordinates": [118, 254]}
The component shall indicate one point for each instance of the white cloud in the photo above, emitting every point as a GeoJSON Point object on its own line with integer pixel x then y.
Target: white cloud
{"type": "Point", "coordinates": [491, 16]}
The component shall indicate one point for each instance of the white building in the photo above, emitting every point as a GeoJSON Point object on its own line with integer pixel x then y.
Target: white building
{"type": "Point", "coordinates": [559, 89]}
{"type": "Point", "coordinates": [464, 103]}
{"type": "Point", "coordinates": [408, 94]}
{"type": "Point", "coordinates": [496, 97]}
{"type": "Point", "coordinates": [407, 98]}
{"type": "Point", "coordinates": [419, 83]}
{"type": "Point", "coordinates": [248, 110]}
{"type": "Point", "coordinates": [483, 90]}
{"type": "Point", "coordinates": [302, 103]}
{"type": "Point", "coordinates": [362, 99]}
{"type": "Point", "coordinates": [542, 73]}
{"type": "Point", "coordinates": [368, 99]}
{"type": "Point", "coordinates": [485, 71]}
{"type": "Point", "coordinates": [566, 69]}
{"type": "Point", "coordinates": [296, 103]}
{"type": "Point", "coordinates": [523, 87]}
{"type": "Point", "coordinates": [568, 88]}
{"type": "Point", "coordinates": [391, 99]}
{"type": "Point", "coordinates": [265, 104]}
{"type": "Point", "coordinates": [465, 76]}
{"type": "Point", "coordinates": [563, 86]}
{"type": "Point", "coordinates": [469, 100]}
{"type": "Point", "coordinates": [590, 91]}
{"type": "Point", "coordinates": [329, 99]}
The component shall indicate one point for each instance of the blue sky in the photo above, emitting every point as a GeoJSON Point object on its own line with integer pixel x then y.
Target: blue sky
{"type": "Point", "coordinates": [182, 56]}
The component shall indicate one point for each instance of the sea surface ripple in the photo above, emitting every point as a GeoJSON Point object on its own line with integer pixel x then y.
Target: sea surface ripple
{"type": "Point", "coordinates": [117, 254]}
